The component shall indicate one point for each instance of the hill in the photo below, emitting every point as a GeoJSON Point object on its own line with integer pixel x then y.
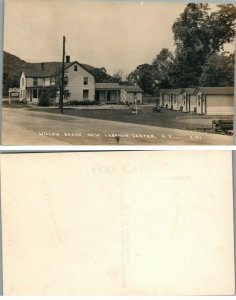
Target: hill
{"type": "Point", "coordinates": [12, 67]}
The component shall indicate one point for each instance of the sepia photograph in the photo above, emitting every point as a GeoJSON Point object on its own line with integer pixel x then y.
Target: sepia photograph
{"type": "Point", "coordinates": [118, 73]}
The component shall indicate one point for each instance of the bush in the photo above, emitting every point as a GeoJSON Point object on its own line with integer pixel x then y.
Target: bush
{"type": "Point", "coordinates": [46, 96]}
{"type": "Point", "coordinates": [82, 102]}
{"type": "Point", "coordinates": [43, 102]}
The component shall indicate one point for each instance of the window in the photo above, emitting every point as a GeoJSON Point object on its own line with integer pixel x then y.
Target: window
{"type": "Point", "coordinates": [199, 103]}
{"type": "Point", "coordinates": [23, 81]}
{"type": "Point", "coordinates": [66, 80]}
{"type": "Point", "coordinates": [75, 68]}
{"type": "Point", "coordinates": [66, 94]}
{"type": "Point", "coordinates": [35, 93]}
{"type": "Point", "coordinates": [85, 80]}
{"type": "Point", "coordinates": [199, 97]}
{"type": "Point", "coordinates": [52, 80]}
{"type": "Point", "coordinates": [85, 94]}
{"type": "Point", "coordinates": [35, 81]}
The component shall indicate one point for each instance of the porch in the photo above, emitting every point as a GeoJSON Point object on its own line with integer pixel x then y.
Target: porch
{"type": "Point", "coordinates": [108, 93]}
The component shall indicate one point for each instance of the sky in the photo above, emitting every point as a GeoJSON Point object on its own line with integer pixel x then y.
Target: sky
{"type": "Point", "coordinates": [117, 35]}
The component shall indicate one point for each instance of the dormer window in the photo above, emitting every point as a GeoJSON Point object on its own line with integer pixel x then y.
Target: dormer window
{"type": "Point", "coordinates": [75, 68]}
{"type": "Point", "coordinates": [35, 81]}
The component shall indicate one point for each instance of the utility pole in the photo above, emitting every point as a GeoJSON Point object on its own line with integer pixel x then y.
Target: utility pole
{"type": "Point", "coordinates": [62, 77]}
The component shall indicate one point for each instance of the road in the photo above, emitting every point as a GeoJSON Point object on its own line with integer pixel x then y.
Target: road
{"type": "Point", "coordinates": [25, 127]}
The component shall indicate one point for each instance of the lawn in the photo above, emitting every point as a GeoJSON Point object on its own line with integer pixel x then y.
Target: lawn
{"type": "Point", "coordinates": [145, 116]}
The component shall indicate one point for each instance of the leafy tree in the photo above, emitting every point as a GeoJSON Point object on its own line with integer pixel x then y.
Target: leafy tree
{"type": "Point", "coordinates": [161, 68]}
{"type": "Point", "coordinates": [218, 71]}
{"type": "Point", "coordinates": [199, 34]}
{"type": "Point", "coordinates": [222, 26]}
{"type": "Point", "coordinates": [101, 75]}
{"type": "Point", "coordinates": [144, 77]}
{"type": "Point", "coordinates": [117, 76]}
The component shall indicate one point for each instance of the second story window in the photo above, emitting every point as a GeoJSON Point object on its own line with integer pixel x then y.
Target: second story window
{"type": "Point", "coordinates": [66, 80]}
{"type": "Point", "coordinates": [75, 68]}
{"type": "Point", "coordinates": [23, 81]}
{"type": "Point", "coordinates": [85, 80]}
{"type": "Point", "coordinates": [35, 81]}
{"type": "Point", "coordinates": [52, 80]}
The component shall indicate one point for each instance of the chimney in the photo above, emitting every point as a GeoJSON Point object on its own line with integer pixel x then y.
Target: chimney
{"type": "Point", "coordinates": [67, 58]}
{"type": "Point", "coordinates": [42, 66]}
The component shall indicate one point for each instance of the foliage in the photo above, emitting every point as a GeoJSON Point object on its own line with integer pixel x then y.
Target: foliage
{"type": "Point", "coordinates": [118, 76]}
{"type": "Point", "coordinates": [199, 34]}
{"type": "Point", "coordinates": [101, 75]}
{"type": "Point", "coordinates": [46, 96]}
{"type": "Point", "coordinates": [143, 75]}
{"type": "Point", "coordinates": [12, 68]}
{"type": "Point", "coordinates": [82, 102]}
{"type": "Point", "coordinates": [161, 67]}
{"type": "Point", "coordinates": [218, 71]}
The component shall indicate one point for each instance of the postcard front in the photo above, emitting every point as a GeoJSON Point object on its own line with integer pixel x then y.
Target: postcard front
{"type": "Point", "coordinates": [118, 73]}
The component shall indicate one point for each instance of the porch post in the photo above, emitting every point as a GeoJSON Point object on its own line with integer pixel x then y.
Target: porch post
{"type": "Point", "coordinates": [106, 95]}
{"type": "Point", "coordinates": [117, 96]}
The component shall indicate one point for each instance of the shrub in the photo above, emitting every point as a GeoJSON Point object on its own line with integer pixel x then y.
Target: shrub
{"type": "Point", "coordinates": [46, 96]}
{"type": "Point", "coordinates": [82, 102]}
{"type": "Point", "coordinates": [43, 102]}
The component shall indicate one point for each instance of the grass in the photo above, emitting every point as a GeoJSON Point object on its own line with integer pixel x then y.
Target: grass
{"type": "Point", "coordinates": [146, 116]}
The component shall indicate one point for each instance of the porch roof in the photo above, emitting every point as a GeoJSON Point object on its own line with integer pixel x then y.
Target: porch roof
{"type": "Point", "coordinates": [189, 91]}
{"type": "Point", "coordinates": [171, 91]}
{"type": "Point", "coordinates": [131, 88]}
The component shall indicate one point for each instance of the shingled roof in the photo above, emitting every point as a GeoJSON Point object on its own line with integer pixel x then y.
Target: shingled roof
{"type": "Point", "coordinates": [171, 91]}
{"type": "Point", "coordinates": [131, 89]}
{"type": "Point", "coordinates": [47, 69]}
{"type": "Point", "coordinates": [217, 90]}
{"type": "Point", "coordinates": [107, 86]}
{"type": "Point", "coordinates": [189, 91]}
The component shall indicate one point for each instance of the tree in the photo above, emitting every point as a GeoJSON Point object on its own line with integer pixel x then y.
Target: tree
{"type": "Point", "coordinates": [117, 76]}
{"type": "Point", "coordinates": [218, 71]}
{"type": "Point", "coordinates": [222, 25]}
{"type": "Point", "coordinates": [101, 75]}
{"type": "Point", "coordinates": [161, 68]}
{"type": "Point", "coordinates": [143, 76]}
{"type": "Point", "coordinates": [199, 34]}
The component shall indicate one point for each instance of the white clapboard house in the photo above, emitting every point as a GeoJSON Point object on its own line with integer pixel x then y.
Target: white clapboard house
{"type": "Point", "coordinates": [80, 85]}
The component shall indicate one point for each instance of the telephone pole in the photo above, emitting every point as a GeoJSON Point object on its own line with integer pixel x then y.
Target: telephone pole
{"type": "Point", "coordinates": [62, 77]}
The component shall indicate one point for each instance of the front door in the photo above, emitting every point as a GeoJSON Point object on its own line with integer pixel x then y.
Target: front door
{"type": "Point", "coordinates": [30, 95]}
{"type": "Point", "coordinates": [108, 96]}
{"type": "Point", "coordinates": [202, 106]}
{"type": "Point", "coordinates": [188, 104]}
{"type": "Point", "coordinates": [97, 96]}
